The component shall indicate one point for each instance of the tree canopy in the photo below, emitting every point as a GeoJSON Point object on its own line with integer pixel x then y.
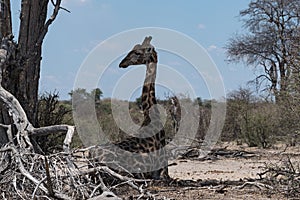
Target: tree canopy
{"type": "Point", "coordinates": [271, 42]}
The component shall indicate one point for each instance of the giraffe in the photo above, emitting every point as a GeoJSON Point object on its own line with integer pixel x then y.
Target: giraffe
{"type": "Point", "coordinates": [148, 146]}
{"type": "Point", "coordinates": [175, 112]}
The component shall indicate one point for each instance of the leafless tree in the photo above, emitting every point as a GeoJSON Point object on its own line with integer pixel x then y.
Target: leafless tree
{"type": "Point", "coordinates": [271, 43]}
{"type": "Point", "coordinates": [21, 70]}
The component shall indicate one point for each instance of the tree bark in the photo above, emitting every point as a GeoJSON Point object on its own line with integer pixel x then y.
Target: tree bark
{"type": "Point", "coordinates": [5, 18]}
{"type": "Point", "coordinates": [5, 30]}
{"type": "Point", "coordinates": [33, 17]}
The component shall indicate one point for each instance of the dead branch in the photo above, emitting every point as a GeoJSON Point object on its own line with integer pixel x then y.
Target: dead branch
{"type": "Point", "coordinates": [49, 182]}
{"type": "Point", "coordinates": [20, 154]}
{"type": "Point", "coordinates": [197, 153]}
{"type": "Point", "coordinates": [56, 9]}
{"type": "Point", "coordinates": [259, 185]}
{"type": "Point", "coordinates": [35, 176]}
{"type": "Point", "coordinates": [284, 177]}
{"type": "Point", "coordinates": [106, 196]}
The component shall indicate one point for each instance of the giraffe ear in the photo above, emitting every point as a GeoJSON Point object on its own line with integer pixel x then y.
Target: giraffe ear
{"type": "Point", "coordinates": [136, 47]}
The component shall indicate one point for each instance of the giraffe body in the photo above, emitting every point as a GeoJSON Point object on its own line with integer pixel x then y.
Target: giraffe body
{"type": "Point", "coordinates": [143, 156]}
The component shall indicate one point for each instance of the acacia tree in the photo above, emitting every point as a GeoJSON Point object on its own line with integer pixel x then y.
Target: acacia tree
{"type": "Point", "coordinates": [271, 44]}
{"type": "Point", "coordinates": [21, 70]}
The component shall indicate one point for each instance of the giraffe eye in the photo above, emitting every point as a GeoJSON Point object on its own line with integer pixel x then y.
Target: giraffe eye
{"type": "Point", "coordinates": [138, 52]}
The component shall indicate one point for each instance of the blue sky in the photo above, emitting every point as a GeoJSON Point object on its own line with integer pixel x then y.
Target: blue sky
{"type": "Point", "coordinates": [74, 35]}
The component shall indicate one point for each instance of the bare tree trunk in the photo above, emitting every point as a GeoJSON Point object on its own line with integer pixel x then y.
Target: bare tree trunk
{"type": "Point", "coordinates": [5, 18]}
{"type": "Point", "coordinates": [21, 72]}
{"type": "Point", "coordinates": [24, 82]}
{"type": "Point", "coordinates": [5, 30]}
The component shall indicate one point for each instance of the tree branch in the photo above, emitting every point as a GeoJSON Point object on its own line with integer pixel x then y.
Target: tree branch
{"type": "Point", "coordinates": [56, 9]}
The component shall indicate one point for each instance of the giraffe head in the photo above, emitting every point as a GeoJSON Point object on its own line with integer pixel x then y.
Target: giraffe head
{"type": "Point", "coordinates": [140, 54]}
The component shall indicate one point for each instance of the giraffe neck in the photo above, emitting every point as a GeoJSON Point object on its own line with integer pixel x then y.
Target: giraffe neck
{"type": "Point", "coordinates": [152, 127]}
{"type": "Point", "coordinates": [148, 93]}
{"type": "Point", "coordinates": [151, 124]}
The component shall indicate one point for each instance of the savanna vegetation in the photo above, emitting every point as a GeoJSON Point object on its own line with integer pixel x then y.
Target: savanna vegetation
{"type": "Point", "coordinates": [250, 119]}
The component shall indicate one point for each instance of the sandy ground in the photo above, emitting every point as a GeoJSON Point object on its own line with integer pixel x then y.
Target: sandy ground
{"type": "Point", "coordinates": [230, 168]}
{"type": "Point", "coordinates": [238, 169]}
{"type": "Point", "coordinates": [223, 168]}
{"type": "Point", "coordinates": [226, 168]}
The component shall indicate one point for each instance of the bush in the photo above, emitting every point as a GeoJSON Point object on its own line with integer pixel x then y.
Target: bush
{"type": "Point", "coordinates": [51, 111]}
{"type": "Point", "coordinates": [259, 128]}
{"type": "Point", "coordinates": [250, 119]}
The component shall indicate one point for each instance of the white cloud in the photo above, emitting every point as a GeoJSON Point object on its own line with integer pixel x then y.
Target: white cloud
{"type": "Point", "coordinates": [212, 48]}
{"type": "Point", "coordinates": [216, 49]}
{"type": "Point", "coordinates": [201, 26]}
